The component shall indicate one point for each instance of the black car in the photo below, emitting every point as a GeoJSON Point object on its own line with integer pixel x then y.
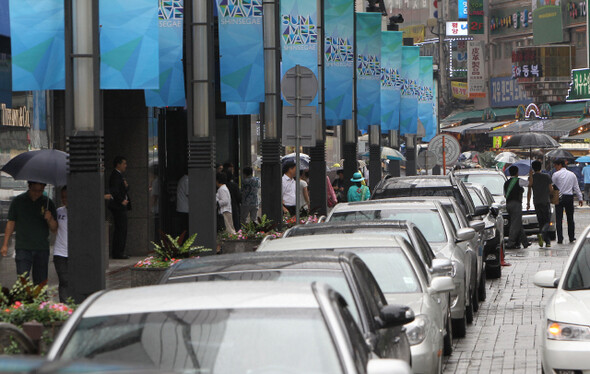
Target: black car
{"type": "Point", "coordinates": [345, 272]}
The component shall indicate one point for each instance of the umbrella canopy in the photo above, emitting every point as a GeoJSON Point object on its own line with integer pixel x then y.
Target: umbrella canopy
{"type": "Point", "coordinates": [303, 160]}
{"type": "Point", "coordinates": [583, 159]}
{"type": "Point", "coordinates": [504, 154]}
{"type": "Point", "coordinates": [524, 166]}
{"type": "Point", "coordinates": [46, 166]}
{"type": "Point", "coordinates": [391, 154]}
{"type": "Point", "coordinates": [531, 140]}
{"type": "Point", "coordinates": [559, 153]}
{"type": "Point", "coordinates": [506, 158]}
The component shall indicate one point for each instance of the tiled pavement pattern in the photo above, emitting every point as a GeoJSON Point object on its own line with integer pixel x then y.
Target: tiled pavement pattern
{"type": "Point", "coordinates": [504, 336]}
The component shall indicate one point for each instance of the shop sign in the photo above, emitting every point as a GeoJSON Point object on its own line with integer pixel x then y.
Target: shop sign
{"type": "Point", "coordinates": [462, 5]}
{"type": "Point", "coordinates": [576, 10]}
{"type": "Point", "coordinates": [476, 14]}
{"type": "Point", "coordinates": [18, 117]}
{"type": "Point", "coordinates": [416, 32]}
{"type": "Point", "coordinates": [475, 67]}
{"type": "Point", "coordinates": [527, 71]}
{"type": "Point", "coordinates": [580, 85]}
{"type": "Point", "coordinates": [548, 22]}
{"type": "Point", "coordinates": [506, 92]}
{"type": "Point", "coordinates": [460, 90]}
{"type": "Point", "coordinates": [517, 20]}
{"type": "Point", "coordinates": [497, 142]}
{"type": "Point", "coordinates": [457, 28]}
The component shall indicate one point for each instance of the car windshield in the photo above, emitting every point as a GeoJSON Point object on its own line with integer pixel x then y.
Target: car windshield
{"type": "Point", "coordinates": [415, 191]}
{"type": "Point", "coordinates": [578, 277]}
{"type": "Point", "coordinates": [494, 182]}
{"type": "Point", "coordinates": [270, 340]}
{"type": "Point", "coordinates": [391, 268]}
{"type": "Point", "coordinates": [335, 278]}
{"type": "Point", "coordinates": [427, 220]}
{"type": "Point", "coordinates": [475, 197]}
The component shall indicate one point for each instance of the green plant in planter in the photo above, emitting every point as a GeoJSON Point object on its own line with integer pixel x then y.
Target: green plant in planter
{"type": "Point", "coordinates": [170, 250]}
{"type": "Point", "coordinates": [258, 229]}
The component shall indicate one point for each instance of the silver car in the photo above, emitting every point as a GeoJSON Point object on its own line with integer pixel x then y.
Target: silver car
{"type": "Point", "coordinates": [403, 278]}
{"type": "Point", "coordinates": [225, 327]}
{"type": "Point", "coordinates": [445, 240]}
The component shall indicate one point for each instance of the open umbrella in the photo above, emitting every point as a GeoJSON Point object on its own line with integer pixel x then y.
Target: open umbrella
{"type": "Point", "coordinates": [46, 166]}
{"type": "Point", "coordinates": [506, 158]}
{"type": "Point", "coordinates": [391, 154]}
{"type": "Point", "coordinates": [524, 166]}
{"type": "Point", "coordinates": [303, 160]}
{"type": "Point", "coordinates": [583, 159]}
{"type": "Point", "coordinates": [531, 140]}
{"type": "Point", "coordinates": [504, 154]}
{"type": "Point", "coordinates": [559, 154]}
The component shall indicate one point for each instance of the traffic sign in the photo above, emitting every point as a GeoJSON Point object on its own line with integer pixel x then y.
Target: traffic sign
{"type": "Point", "coordinates": [451, 149]}
{"type": "Point", "coordinates": [308, 85]}
{"type": "Point", "coordinates": [426, 160]}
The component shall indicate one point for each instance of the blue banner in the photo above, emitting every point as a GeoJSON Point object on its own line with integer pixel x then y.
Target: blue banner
{"type": "Point", "coordinates": [368, 69]}
{"type": "Point", "coordinates": [37, 42]}
{"type": "Point", "coordinates": [299, 36]}
{"type": "Point", "coordinates": [241, 52]}
{"type": "Point", "coordinates": [409, 93]}
{"type": "Point", "coordinates": [431, 132]}
{"type": "Point", "coordinates": [4, 18]}
{"type": "Point", "coordinates": [129, 53]}
{"type": "Point", "coordinates": [235, 108]}
{"type": "Point", "coordinates": [171, 81]}
{"type": "Point", "coordinates": [462, 6]}
{"type": "Point", "coordinates": [426, 94]}
{"type": "Point", "coordinates": [338, 58]}
{"type": "Point", "coordinates": [391, 83]}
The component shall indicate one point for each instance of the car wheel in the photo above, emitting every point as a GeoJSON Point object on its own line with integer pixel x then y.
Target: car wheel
{"type": "Point", "coordinates": [481, 292]}
{"type": "Point", "coordinates": [448, 338]}
{"type": "Point", "coordinates": [469, 309]}
{"type": "Point", "coordinates": [493, 272]}
{"type": "Point", "coordinates": [475, 300]}
{"type": "Point", "coordinates": [459, 327]}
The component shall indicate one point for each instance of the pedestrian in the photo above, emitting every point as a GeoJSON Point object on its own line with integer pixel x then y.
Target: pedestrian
{"type": "Point", "coordinates": [119, 204]}
{"type": "Point", "coordinates": [236, 195]}
{"type": "Point", "coordinates": [567, 184]}
{"type": "Point", "coordinates": [513, 192]}
{"type": "Point", "coordinates": [32, 215]}
{"type": "Point", "coordinates": [182, 193]}
{"type": "Point", "coordinates": [338, 185]}
{"type": "Point", "coordinates": [223, 198]}
{"type": "Point", "coordinates": [332, 200]}
{"type": "Point", "coordinates": [541, 186]}
{"type": "Point", "coordinates": [288, 188]}
{"type": "Point", "coordinates": [586, 174]}
{"type": "Point", "coordinates": [303, 190]}
{"type": "Point", "coordinates": [358, 191]}
{"type": "Point", "coordinates": [60, 248]}
{"type": "Point", "coordinates": [250, 201]}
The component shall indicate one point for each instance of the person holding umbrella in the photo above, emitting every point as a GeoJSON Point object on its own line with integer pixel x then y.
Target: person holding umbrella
{"type": "Point", "coordinates": [567, 184]}
{"type": "Point", "coordinates": [513, 193]}
{"type": "Point", "coordinates": [32, 215]}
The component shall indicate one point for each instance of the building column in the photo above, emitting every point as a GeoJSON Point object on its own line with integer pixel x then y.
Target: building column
{"type": "Point", "coordinates": [374, 156]}
{"type": "Point", "coordinates": [394, 167]}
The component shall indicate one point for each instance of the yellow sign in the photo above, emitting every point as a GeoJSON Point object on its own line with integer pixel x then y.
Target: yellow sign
{"type": "Point", "coordinates": [497, 142]}
{"type": "Point", "coordinates": [460, 90]}
{"type": "Point", "coordinates": [415, 32]}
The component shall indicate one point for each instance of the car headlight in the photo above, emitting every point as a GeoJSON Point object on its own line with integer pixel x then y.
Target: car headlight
{"type": "Point", "coordinates": [489, 234]}
{"type": "Point", "coordinates": [416, 330]}
{"type": "Point", "coordinates": [567, 331]}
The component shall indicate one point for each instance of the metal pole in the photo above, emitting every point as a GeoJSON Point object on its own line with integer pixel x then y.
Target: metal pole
{"type": "Point", "coordinates": [442, 62]}
{"type": "Point", "coordinates": [394, 165]}
{"type": "Point", "coordinates": [297, 141]}
{"type": "Point", "coordinates": [374, 156]}
{"type": "Point", "coordinates": [86, 229]}
{"type": "Point", "coordinates": [444, 156]}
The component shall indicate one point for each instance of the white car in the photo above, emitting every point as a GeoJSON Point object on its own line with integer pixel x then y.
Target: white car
{"type": "Point", "coordinates": [402, 277]}
{"type": "Point", "coordinates": [222, 327]}
{"type": "Point", "coordinates": [565, 331]}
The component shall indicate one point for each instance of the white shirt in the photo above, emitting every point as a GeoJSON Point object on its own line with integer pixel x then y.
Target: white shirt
{"type": "Point", "coordinates": [61, 239]}
{"type": "Point", "coordinates": [567, 182]}
{"type": "Point", "coordinates": [302, 184]}
{"type": "Point", "coordinates": [288, 191]}
{"type": "Point", "coordinates": [182, 195]}
{"type": "Point", "coordinates": [223, 199]}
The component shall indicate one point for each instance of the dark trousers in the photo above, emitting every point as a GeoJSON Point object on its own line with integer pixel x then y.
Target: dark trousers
{"type": "Point", "coordinates": [544, 217]}
{"type": "Point", "coordinates": [292, 209]}
{"type": "Point", "coordinates": [61, 268]}
{"type": "Point", "coordinates": [120, 232]}
{"type": "Point", "coordinates": [565, 202]}
{"type": "Point", "coordinates": [182, 223]}
{"type": "Point", "coordinates": [37, 261]}
{"type": "Point", "coordinates": [516, 234]}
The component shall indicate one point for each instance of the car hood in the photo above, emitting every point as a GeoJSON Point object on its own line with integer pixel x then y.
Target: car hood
{"type": "Point", "coordinates": [570, 307]}
{"type": "Point", "coordinates": [413, 300]}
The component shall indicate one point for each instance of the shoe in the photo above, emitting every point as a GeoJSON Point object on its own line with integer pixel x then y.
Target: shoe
{"type": "Point", "coordinates": [540, 239]}
{"type": "Point", "coordinates": [547, 244]}
{"type": "Point", "coordinates": [123, 257]}
{"type": "Point", "coordinates": [512, 247]}
{"type": "Point", "coordinates": [560, 241]}
{"type": "Point", "coordinates": [573, 241]}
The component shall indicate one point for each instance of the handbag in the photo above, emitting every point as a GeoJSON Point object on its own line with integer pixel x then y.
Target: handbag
{"type": "Point", "coordinates": [555, 197]}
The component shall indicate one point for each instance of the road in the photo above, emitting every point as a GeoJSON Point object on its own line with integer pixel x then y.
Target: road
{"type": "Point", "coordinates": [504, 336]}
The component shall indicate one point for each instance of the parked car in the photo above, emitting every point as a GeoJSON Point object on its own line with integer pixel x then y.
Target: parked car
{"type": "Point", "coordinates": [565, 330]}
{"type": "Point", "coordinates": [222, 327]}
{"type": "Point", "coordinates": [403, 278]}
{"type": "Point", "coordinates": [491, 178]}
{"type": "Point", "coordinates": [494, 229]}
{"type": "Point", "coordinates": [344, 272]}
{"type": "Point", "coordinates": [445, 240]}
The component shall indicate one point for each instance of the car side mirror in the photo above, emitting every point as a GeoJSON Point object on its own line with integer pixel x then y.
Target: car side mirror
{"type": "Point", "coordinates": [441, 267]}
{"type": "Point", "coordinates": [465, 234]}
{"type": "Point", "coordinates": [495, 211]}
{"type": "Point", "coordinates": [477, 225]}
{"type": "Point", "coordinates": [388, 366]}
{"type": "Point", "coordinates": [546, 279]}
{"type": "Point", "coordinates": [441, 284]}
{"type": "Point", "coordinates": [394, 315]}
{"type": "Point", "coordinates": [481, 210]}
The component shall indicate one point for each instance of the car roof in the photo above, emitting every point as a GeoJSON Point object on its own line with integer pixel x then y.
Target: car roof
{"type": "Point", "coordinates": [419, 181]}
{"type": "Point", "coordinates": [405, 201]}
{"type": "Point", "coordinates": [202, 296]}
{"type": "Point", "coordinates": [335, 242]}
{"type": "Point", "coordinates": [308, 260]}
{"type": "Point", "coordinates": [477, 171]}
{"type": "Point", "coordinates": [348, 227]}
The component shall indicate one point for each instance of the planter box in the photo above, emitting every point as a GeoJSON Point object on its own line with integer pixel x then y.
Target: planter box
{"type": "Point", "coordinates": [146, 276]}
{"type": "Point", "coordinates": [239, 246]}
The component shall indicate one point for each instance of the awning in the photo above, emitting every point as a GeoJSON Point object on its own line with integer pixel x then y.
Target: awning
{"type": "Point", "coordinates": [474, 128]}
{"type": "Point", "coordinates": [582, 136]}
{"type": "Point", "coordinates": [554, 127]}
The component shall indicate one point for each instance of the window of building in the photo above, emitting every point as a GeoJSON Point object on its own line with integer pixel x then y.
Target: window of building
{"type": "Point", "coordinates": [507, 47]}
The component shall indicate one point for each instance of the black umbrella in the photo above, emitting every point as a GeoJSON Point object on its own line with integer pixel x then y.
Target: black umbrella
{"type": "Point", "coordinates": [46, 166]}
{"type": "Point", "coordinates": [559, 154]}
{"type": "Point", "coordinates": [531, 140]}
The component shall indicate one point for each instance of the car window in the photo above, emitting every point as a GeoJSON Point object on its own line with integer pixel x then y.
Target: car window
{"type": "Point", "coordinates": [450, 209]}
{"type": "Point", "coordinates": [578, 277]}
{"type": "Point", "coordinates": [465, 198]}
{"type": "Point", "coordinates": [375, 299]}
{"type": "Point", "coordinates": [356, 342]}
{"type": "Point", "coordinates": [494, 182]}
{"type": "Point", "coordinates": [426, 250]}
{"type": "Point", "coordinates": [428, 220]}
{"type": "Point", "coordinates": [475, 197]}
{"type": "Point", "coordinates": [488, 196]}
{"type": "Point", "coordinates": [210, 341]}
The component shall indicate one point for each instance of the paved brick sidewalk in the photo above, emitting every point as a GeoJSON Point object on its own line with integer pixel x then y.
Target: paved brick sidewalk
{"type": "Point", "coordinates": [504, 336]}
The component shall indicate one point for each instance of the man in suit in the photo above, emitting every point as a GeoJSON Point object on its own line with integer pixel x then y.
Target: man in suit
{"type": "Point", "coordinates": [119, 205]}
